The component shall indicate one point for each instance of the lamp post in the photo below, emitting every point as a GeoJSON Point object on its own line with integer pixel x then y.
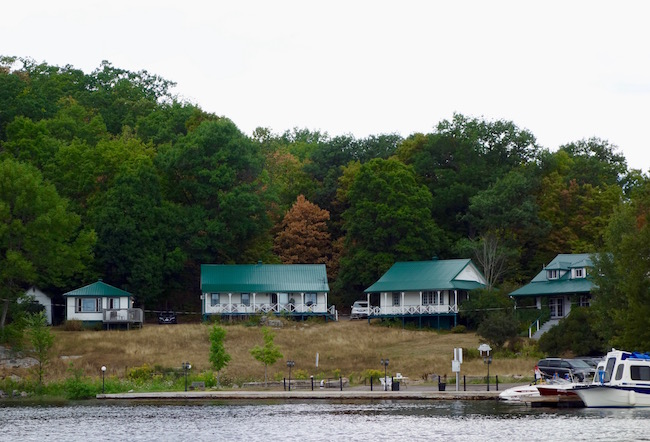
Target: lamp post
{"type": "Point", "coordinates": [103, 373]}
{"type": "Point", "coordinates": [484, 350]}
{"type": "Point", "coordinates": [384, 362]}
{"type": "Point", "coordinates": [290, 364]}
{"type": "Point", "coordinates": [186, 367]}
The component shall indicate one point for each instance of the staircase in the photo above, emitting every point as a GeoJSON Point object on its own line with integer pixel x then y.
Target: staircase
{"type": "Point", "coordinates": [546, 327]}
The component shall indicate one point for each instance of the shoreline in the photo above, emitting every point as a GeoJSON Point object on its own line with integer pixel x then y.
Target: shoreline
{"type": "Point", "coordinates": [305, 395]}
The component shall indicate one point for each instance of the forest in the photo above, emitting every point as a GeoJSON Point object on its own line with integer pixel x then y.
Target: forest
{"type": "Point", "coordinates": [109, 175]}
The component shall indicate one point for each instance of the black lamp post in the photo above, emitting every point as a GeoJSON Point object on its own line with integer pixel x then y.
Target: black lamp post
{"type": "Point", "coordinates": [103, 373]}
{"type": "Point", "coordinates": [384, 362]}
{"type": "Point", "coordinates": [290, 364]}
{"type": "Point", "coordinates": [484, 350]}
{"type": "Point", "coordinates": [186, 367]}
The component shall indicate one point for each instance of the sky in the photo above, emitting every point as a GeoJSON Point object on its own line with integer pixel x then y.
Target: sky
{"type": "Point", "coordinates": [564, 70]}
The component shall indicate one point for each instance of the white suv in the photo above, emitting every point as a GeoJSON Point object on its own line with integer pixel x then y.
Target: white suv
{"type": "Point", "coordinates": [359, 310]}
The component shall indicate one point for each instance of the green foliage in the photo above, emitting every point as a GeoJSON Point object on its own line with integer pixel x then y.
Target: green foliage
{"type": "Point", "coordinates": [498, 328]}
{"type": "Point", "coordinates": [140, 374]}
{"type": "Point", "coordinates": [269, 353]}
{"type": "Point", "coordinates": [576, 334]}
{"type": "Point", "coordinates": [371, 374]}
{"type": "Point", "coordinates": [481, 304]}
{"type": "Point", "coordinates": [41, 341]}
{"type": "Point", "coordinates": [76, 386]}
{"type": "Point", "coordinates": [458, 329]}
{"type": "Point", "coordinates": [219, 358]}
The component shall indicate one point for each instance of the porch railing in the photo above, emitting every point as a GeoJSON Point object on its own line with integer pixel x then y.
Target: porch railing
{"type": "Point", "coordinates": [235, 308]}
{"type": "Point", "coordinates": [123, 315]}
{"type": "Point", "coordinates": [414, 310]}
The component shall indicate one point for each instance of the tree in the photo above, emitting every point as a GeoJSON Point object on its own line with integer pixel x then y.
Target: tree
{"type": "Point", "coordinates": [498, 328]}
{"type": "Point", "coordinates": [41, 242]}
{"type": "Point", "coordinates": [622, 297]}
{"type": "Point", "coordinates": [304, 237]}
{"type": "Point", "coordinates": [576, 333]}
{"type": "Point", "coordinates": [269, 353]}
{"type": "Point", "coordinates": [219, 358]}
{"type": "Point", "coordinates": [389, 219]}
{"type": "Point", "coordinates": [41, 340]}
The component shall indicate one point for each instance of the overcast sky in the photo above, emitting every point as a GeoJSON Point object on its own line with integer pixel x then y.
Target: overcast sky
{"type": "Point", "coordinates": [565, 70]}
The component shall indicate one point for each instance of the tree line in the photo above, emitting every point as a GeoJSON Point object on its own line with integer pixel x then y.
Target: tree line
{"type": "Point", "coordinates": [108, 174]}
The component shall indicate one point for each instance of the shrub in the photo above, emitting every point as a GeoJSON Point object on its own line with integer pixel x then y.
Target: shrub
{"type": "Point", "coordinates": [498, 328]}
{"type": "Point", "coordinates": [140, 374]}
{"type": "Point", "coordinates": [73, 325]}
{"type": "Point", "coordinates": [78, 387]}
{"type": "Point", "coordinates": [459, 329]}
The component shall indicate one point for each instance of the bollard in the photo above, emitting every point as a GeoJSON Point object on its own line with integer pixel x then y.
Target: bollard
{"type": "Point", "coordinates": [341, 382]}
{"type": "Point", "coordinates": [464, 384]}
{"type": "Point", "coordinates": [497, 378]}
{"type": "Point", "coordinates": [312, 383]}
{"type": "Point", "coordinates": [370, 383]}
{"type": "Point", "coordinates": [284, 381]}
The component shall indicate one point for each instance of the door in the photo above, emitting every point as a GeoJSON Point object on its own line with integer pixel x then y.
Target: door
{"type": "Point", "coordinates": [557, 307]}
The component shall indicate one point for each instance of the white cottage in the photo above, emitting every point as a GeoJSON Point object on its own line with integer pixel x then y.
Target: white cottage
{"type": "Point", "coordinates": [102, 303]}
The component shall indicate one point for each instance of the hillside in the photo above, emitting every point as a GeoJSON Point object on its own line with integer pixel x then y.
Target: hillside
{"type": "Point", "coordinates": [349, 346]}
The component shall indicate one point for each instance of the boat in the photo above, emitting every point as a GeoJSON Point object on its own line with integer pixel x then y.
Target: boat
{"type": "Point", "coordinates": [622, 380]}
{"type": "Point", "coordinates": [520, 393]}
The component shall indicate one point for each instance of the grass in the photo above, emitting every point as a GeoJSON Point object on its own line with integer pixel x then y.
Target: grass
{"type": "Point", "coordinates": [348, 347]}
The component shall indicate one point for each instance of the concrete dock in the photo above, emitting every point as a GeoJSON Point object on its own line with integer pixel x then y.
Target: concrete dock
{"type": "Point", "coordinates": [317, 394]}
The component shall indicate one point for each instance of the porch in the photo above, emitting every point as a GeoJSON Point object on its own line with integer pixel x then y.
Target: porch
{"type": "Point", "coordinates": [128, 316]}
{"type": "Point", "coordinates": [288, 309]}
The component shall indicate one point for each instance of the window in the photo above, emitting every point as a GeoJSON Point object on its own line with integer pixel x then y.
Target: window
{"type": "Point", "coordinates": [579, 273]}
{"type": "Point", "coordinates": [585, 301]}
{"type": "Point", "coordinates": [552, 274]}
{"type": "Point", "coordinates": [246, 298]}
{"type": "Point", "coordinates": [310, 298]}
{"type": "Point", "coordinates": [214, 299]}
{"type": "Point", "coordinates": [428, 298]}
{"type": "Point", "coordinates": [396, 299]}
{"type": "Point", "coordinates": [88, 305]}
{"type": "Point", "coordinates": [113, 303]}
{"type": "Point", "coordinates": [640, 373]}
{"type": "Point", "coordinates": [619, 372]}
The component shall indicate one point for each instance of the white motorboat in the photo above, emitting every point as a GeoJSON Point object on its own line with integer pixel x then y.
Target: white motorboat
{"type": "Point", "coordinates": [622, 380]}
{"type": "Point", "coordinates": [520, 393]}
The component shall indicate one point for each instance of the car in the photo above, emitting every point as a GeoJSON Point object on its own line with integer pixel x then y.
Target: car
{"type": "Point", "coordinates": [359, 310]}
{"type": "Point", "coordinates": [565, 368]}
{"type": "Point", "coordinates": [167, 317]}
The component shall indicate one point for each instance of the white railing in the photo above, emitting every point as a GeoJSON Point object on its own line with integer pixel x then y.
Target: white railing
{"type": "Point", "coordinates": [414, 310]}
{"type": "Point", "coordinates": [270, 308]}
{"type": "Point", "coordinates": [123, 315]}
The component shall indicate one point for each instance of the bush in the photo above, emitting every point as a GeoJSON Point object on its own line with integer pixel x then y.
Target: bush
{"type": "Point", "coordinates": [78, 387]}
{"type": "Point", "coordinates": [73, 325]}
{"type": "Point", "coordinates": [498, 328]}
{"type": "Point", "coordinates": [459, 329]}
{"type": "Point", "coordinates": [140, 374]}
{"type": "Point", "coordinates": [574, 334]}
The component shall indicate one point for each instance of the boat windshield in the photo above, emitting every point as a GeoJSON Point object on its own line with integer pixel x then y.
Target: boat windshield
{"type": "Point", "coordinates": [609, 369]}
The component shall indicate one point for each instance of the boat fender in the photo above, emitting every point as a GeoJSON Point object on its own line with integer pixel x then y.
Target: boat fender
{"type": "Point", "coordinates": [631, 397]}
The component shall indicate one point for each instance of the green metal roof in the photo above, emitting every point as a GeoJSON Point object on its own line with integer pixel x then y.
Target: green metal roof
{"type": "Point", "coordinates": [98, 288]}
{"type": "Point", "coordinates": [263, 278]}
{"type": "Point", "coordinates": [428, 275]}
{"type": "Point", "coordinates": [541, 285]}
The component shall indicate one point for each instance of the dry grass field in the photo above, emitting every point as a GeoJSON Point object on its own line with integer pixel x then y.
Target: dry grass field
{"type": "Point", "coordinates": [348, 346]}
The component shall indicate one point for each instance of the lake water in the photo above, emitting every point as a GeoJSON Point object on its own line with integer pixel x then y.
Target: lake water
{"type": "Point", "coordinates": [319, 421]}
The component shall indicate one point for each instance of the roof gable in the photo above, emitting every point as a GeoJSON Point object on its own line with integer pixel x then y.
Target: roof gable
{"type": "Point", "coordinates": [263, 278]}
{"type": "Point", "coordinates": [445, 274]}
{"type": "Point", "coordinates": [564, 284]}
{"type": "Point", "coordinates": [98, 288]}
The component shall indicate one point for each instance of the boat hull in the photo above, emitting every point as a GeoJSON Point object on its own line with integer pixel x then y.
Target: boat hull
{"type": "Point", "coordinates": [614, 396]}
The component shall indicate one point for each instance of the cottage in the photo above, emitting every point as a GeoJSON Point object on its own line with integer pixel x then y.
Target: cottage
{"type": "Point", "coordinates": [426, 291]}
{"type": "Point", "coordinates": [102, 303]}
{"type": "Point", "coordinates": [35, 295]}
{"type": "Point", "coordinates": [296, 290]}
{"type": "Point", "coordinates": [562, 283]}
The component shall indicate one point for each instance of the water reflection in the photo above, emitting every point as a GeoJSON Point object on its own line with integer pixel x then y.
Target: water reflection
{"type": "Point", "coordinates": [356, 421]}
